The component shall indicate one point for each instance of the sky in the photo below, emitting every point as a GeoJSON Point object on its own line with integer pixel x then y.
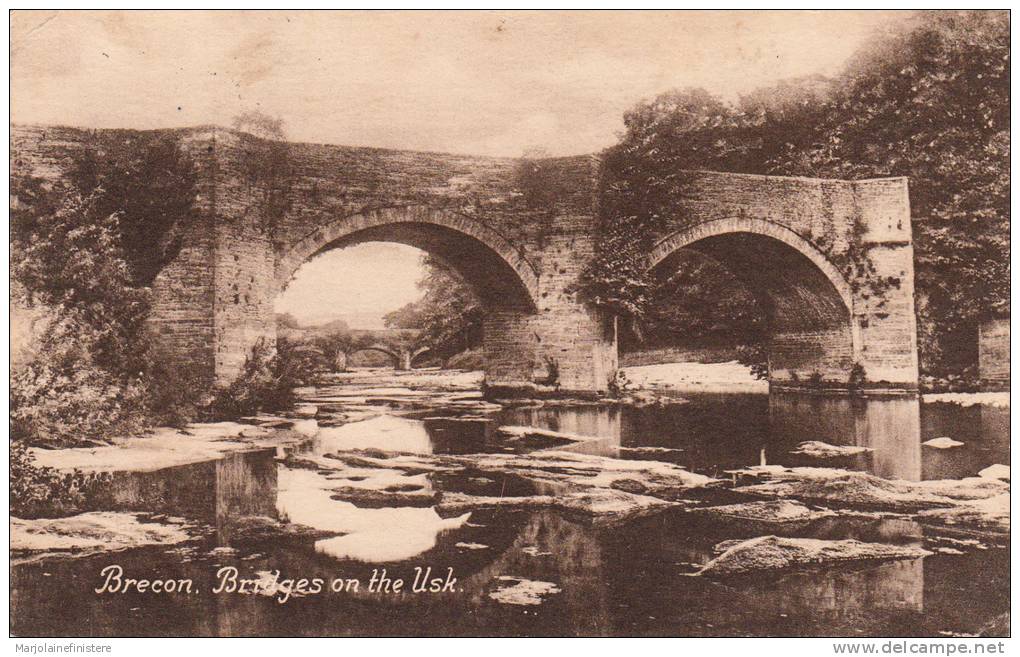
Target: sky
{"type": "Point", "coordinates": [485, 82]}
{"type": "Point", "coordinates": [321, 290]}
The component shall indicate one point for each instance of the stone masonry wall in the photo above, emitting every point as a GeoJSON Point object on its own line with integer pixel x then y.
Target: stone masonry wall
{"type": "Point", "coordinates": [993, 354]}
{"type": "Point", "coordinates": [862, 228]}
{"type": "Point", "coordinates": [216, 300]}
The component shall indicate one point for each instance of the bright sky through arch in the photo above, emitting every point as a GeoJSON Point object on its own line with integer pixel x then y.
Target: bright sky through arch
{"type": "Point", "coordinates": [359, 284]}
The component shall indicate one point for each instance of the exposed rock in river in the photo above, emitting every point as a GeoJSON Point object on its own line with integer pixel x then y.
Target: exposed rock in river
{"type": "Point", "coordinates": [370, 498]}
{"type": "Point", "coordinates": [987, 515]}
{"type": "Point", "coordinates": [97, 531]}
{"type": "Point", "coordinates": [859, 489]}
{"type": "Point", "coordinates": [534, 437]}
{"type": "Point", "coordinates": [771, 511]}
{"type": "Point", "coordinates": [605, 505]}
{"type": "Point", "coordinates": [818, 449]}
{"type": "Point", "coordinates": [997, 471]}
{"type": "Point", "coordinates": [776, 553]}
{"type": "Point", "coordinates": [656, 477]}
{"type": "Point", "coordinates": [522, 591]}
{"type": "Point", "coordinates": [945, 442]}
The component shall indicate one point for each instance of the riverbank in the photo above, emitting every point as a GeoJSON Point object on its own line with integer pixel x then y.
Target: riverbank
{"type": "Point", "coordinates": [376, 468]}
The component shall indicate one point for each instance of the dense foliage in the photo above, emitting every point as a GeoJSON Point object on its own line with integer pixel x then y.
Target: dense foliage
{"type": "Point", "coordinates": [930, 102]}
{"type": "Point", "coordinates": [84, 251]}
{"type": "Point", "coordinates": [41, 491]}
{"type": "Point", "coordinates": [448, 315]}
{"type": "Point", "coordinates": [685, 301]}
{"type": "Point", "coordinates": [266, 382]}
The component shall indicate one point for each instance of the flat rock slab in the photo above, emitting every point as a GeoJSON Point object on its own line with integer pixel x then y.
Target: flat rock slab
{"type": "Point", "coordinates": [821, 450]}
{"type": "Point", "coordinates": [603, 505]}
{"type": "Point", "coordinates": [93, 532]}
{"type": "Point", "coordinates": [770, 553]}
{"type": "Point", "coordinates": [853, 489]}
{"type": "Point", "coordinates": [770, 511]}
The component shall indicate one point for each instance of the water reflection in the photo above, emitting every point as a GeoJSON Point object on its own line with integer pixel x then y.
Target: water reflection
{"type": "Point", "coordinates": [369, 535]}
{"type": "Point", "coordinates": [603, 580]}
{"type": "Point", "coordinates": [218, 491]}
{"type": "Point", "coordinates": [889, 427]}
{"type": "Point", "coordinates": [714, 433]}
{"type": "Point", "coordinates": [385, 432]}
{"type": "Point", "coordinates": [626, 580]}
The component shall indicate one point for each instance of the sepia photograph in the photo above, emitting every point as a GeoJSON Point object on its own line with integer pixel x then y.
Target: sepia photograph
{"type": "Point", "coordinates": [510, 323]}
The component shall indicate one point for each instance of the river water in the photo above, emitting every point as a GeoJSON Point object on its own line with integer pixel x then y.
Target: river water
{"type": "Point", "coordinates": [539, 570]}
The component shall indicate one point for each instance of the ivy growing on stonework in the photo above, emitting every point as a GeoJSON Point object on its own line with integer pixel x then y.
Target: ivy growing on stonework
{"type": "Point", "coordinates": [267, 166]}
{"type": "Point", "coordinates": [860, 270]}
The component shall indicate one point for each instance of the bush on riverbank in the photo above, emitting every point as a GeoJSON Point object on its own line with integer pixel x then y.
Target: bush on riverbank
{"type": "Point", "coordinates": [266, 382]}
{"type": "Point", "coordinates": [85, 249]}
{"type": "Point", "coordinates": [470, 360]}
{"type": "Point", "coordinates": [44, 492]}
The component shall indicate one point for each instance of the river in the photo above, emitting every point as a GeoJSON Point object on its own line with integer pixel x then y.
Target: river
{"type": "Point", "coordinates": [327, 509]}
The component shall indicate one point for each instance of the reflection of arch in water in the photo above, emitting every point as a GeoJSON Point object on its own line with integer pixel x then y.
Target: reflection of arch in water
{"type": "Point", "coordinates": [889, 426]}
{"type": "Point", "coordinates": [566, 554]}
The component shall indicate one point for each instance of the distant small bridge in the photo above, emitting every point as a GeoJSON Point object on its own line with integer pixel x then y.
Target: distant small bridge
{"type": "Point", "coordinates": [401, 357]}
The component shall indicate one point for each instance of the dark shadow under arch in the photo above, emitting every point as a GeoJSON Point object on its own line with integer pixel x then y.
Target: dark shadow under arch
{"type": "Point", "coordinates": [805, 299]}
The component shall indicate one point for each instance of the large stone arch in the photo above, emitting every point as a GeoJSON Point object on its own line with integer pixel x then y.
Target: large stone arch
{"type": "Point", "coordinates": [498, 271]}
{"type": "Point", "coordinates": [682, 238]}
{"type": "Point", "coordinates": [809, 304]}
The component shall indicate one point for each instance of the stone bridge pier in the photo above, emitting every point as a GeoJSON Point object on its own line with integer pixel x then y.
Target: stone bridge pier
{"type": "Point", "coordinates": [829, 261]}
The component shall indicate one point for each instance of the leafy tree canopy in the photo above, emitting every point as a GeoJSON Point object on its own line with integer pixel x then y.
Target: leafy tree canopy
{"type": "Point", "coordinates": [449, 314]}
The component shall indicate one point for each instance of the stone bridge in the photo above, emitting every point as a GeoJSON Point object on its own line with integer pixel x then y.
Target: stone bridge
{"type": "Point", "coordinates": [402, 357]}
{"type": "Point", "coordinates": [814, 252]}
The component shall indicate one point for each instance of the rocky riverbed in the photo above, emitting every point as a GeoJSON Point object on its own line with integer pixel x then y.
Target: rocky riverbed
{"type": "Point", "coordinates": [596, 517]}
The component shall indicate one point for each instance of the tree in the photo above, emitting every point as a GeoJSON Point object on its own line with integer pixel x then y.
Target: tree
{"type": "Point", "coordinates": [84, 251]}
{"type": "Point", "coordinates": [84, 380]}
{"type": "Point", "coordinates": [681, 129]}
{"type": "Point", "coordinates": [286, 320]}
{"type": "Point", "coordinates": [148, 181]}
{"type": "Point", "coordinates": [932, 104]}
{"type": "Point", "coordinates": [699, 300]}
{"type": "Point", "coordinates": [335, 347]}
{"type": "Point", "coordinates": [448, 315]}
{"type": "Point", "coordinates": [260, 124]}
